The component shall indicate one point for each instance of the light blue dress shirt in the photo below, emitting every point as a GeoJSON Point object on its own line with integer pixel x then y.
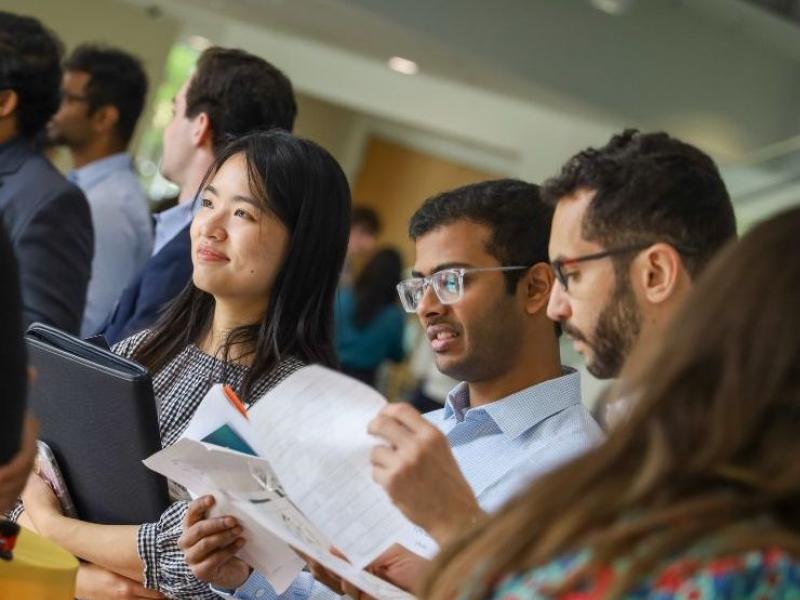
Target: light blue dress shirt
{"type": "Point", "coordinates": [123, 232]}
{"type": "Point", "coordinates": [500, 447]}
{"type": "Point", "coordinates": [171, 221]}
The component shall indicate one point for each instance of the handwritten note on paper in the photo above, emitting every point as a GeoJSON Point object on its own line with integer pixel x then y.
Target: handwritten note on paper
{"type": "Point", "coordinates": [312, 428]}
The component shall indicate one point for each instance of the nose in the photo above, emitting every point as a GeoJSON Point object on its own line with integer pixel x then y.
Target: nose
{"type": "Point", "coordinates": [558, 308]}
{"type": "Point", "coordinates": [429, 305]}
{"type": "Point", "coordinates": [212, 224]}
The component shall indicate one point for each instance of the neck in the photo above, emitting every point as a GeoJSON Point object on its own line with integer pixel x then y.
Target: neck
{"type": "Point", "coordinates": [92, 151]}
{"type": "Point", "coordinates": [228, 315]}
{"type": "Point", "coordinates": [193, 177]}
{"type": "Point", "coordinates": [536, 363]}
{"type": "Point", "coordinates": [8, 130]}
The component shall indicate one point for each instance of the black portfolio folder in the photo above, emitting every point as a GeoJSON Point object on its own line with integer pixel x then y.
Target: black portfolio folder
{"type": "Point", "coordinates": [98, 414]}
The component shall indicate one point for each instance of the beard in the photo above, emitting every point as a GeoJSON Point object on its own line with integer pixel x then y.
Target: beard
{"type": "Point", "coordinates": [614, 335]}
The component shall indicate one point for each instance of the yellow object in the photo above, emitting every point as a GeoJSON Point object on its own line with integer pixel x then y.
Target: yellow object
{"type": "Point", "coordinates": [40, 570]}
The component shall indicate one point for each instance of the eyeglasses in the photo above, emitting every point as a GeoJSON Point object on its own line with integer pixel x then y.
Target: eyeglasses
{"type": "Point", "coordinates": [559, 264]}
{"type": "Point", "coordinates": [448, 284]}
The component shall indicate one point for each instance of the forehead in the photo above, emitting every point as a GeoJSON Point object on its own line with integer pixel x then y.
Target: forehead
{"type": "Point", "coordinates": [231, 178]}
{"type": "Point", "coordinates": [566, 232]}
{"type": "Point", "coordinates": [460, 242]}
{"type": "Point", "coordinates": [75, 81]}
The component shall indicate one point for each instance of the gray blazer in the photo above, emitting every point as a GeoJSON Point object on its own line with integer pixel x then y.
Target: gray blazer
{"type": "Point", "coordinates": [50, 228]}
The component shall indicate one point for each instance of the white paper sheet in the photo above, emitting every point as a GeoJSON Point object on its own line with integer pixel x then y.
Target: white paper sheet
{"type": "Point", "coordinates": [270, 521]}
{"type": "Point", "coordinates": [312, 428]}
{"type": "Point", "coordinates": [205, 469]}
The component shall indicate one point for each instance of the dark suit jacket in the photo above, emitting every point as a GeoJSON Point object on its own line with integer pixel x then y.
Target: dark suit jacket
{"type": "Point", "coordinates": [12, 353]}
{"type": "Point", "coordinates": [164, 275]}
{"type": "Point", "coordinates": [50, 228]}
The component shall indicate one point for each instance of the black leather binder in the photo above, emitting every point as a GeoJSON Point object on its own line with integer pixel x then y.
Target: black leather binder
{"type": "Point", "coordinates": [98, 414]}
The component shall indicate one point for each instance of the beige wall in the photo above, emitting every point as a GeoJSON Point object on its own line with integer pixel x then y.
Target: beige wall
{"type": "Point", "coordinates": [395, 180]}
{"type": "Point", "coordinates": [335, 128]}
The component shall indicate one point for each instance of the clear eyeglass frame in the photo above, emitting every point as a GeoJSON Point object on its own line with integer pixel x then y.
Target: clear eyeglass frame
{"type": "Point", "coordinates": [447, 284]}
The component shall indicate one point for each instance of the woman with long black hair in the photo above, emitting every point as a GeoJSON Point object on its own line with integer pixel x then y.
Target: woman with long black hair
{"type": "Point", "coordinates": [268, 244]}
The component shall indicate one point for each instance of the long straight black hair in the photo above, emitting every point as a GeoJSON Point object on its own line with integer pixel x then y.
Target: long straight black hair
{"type": "Point", "coordinates": [304, 187]}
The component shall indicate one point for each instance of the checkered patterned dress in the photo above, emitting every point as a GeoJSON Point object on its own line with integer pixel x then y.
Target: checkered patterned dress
{"type": "Point", "coordinates": [179, 387]}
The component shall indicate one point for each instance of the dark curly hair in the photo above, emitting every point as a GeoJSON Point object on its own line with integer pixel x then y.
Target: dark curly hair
{"type": "Point", "coordinates": [116, 78]}
{"type": "Point", "coordinates": [240, 93]}
{"type": "Point", "coordinates": [650, 187]}
{"type": "Point", "coordinates": [512, 209]}
{"type": "Point", "coordinates": [30, 64]}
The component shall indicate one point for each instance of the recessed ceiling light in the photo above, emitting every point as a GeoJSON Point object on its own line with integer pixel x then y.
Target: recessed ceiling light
{"type": "Point", "coordinates": [612, 7]}
{"type": "Point", "coordinates": [403, 65]}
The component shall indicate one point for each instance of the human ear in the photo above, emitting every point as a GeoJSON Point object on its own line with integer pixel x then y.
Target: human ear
{"type": "Point", "coordinates": [8, 102]}
{"type": "Point", "coordinates": [659, 269]}
{"type": "Point", "coordinates": [537, 284]}
{"type": "Point", "coordinates": [201, 129]}
{"type": "Point", "coordinates": [105, 118]}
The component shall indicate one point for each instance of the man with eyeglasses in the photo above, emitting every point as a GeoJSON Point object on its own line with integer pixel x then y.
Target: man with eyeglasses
{"type": "Point", "coordinates": [480, 288]}
{"type": "Point", "coordinates": [635, 222]}
{"type": "Point", "coordinates": [102, 95]}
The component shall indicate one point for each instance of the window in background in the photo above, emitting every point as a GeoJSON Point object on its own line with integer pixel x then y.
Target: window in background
{"type": "Point", "coordinates": [180, 63]}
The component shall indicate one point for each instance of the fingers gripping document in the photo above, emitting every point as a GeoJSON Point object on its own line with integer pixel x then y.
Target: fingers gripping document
{"type": "Point", "coordinates": [295, 471]}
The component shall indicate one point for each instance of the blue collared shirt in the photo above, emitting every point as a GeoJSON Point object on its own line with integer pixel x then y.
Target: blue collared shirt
{"type": "Point", "coordinates": [500, 447]}
{"type": "Point", "coordinates": [171, 221]}
{"type": "Point", "coordinates": [123, 234]}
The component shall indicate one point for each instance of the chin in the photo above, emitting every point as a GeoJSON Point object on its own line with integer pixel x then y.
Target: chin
{"type": "Point", "coordinates": [206, 284]}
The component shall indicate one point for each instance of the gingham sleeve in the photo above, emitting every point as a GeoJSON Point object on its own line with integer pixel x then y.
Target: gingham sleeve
{"type": "Point", "coordinates": [165, 567]}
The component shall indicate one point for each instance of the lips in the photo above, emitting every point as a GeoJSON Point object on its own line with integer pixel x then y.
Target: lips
{"type": "Point", "coordinates": [442, 337]}
{"type": "Point", "coordinates": [208, 254]}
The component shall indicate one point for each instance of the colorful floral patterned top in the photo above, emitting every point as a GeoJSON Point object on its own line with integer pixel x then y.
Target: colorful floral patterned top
{"type": "Point", "coordinates": [754, 575]}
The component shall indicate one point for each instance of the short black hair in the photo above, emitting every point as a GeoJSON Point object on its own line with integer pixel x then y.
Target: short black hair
{"type": "Point", "coordinates": [648, 188]}
{"type": "Point", "coordinates": [366, 219]}
{"type": "Point", "coordinates": [116, 78]}
{"type": "Point", "coordinates": [241, 93]}
{"type": "Point", "coordinates": [512, 209]}
{"type": "Point", "coordinates": [30, 64]}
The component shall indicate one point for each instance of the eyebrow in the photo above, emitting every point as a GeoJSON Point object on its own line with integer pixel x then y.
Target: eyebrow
{"type": "Point", "coordinates": [442, 267]}
{"type": "Point", "coordinates": [237, 198]}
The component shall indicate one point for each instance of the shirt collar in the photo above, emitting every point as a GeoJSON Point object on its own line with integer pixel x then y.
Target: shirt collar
{"type": "Point", "coordinates": [89, 175]}
{"type": "Point", "coordinates": [176, 217]}
{"type": "Point", "coordinates": [517, 413]}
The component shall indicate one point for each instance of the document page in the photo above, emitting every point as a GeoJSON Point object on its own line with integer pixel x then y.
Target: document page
{"type": "Point", "coordinates": [227, 475]}
{"type": "Point", "coordinates": [312, 428]}
{"type": "Point", "coordinates": [245, 488]}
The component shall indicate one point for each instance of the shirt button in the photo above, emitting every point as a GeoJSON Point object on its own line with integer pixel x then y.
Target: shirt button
{"type": "Point", "coordinates": [261, 593]}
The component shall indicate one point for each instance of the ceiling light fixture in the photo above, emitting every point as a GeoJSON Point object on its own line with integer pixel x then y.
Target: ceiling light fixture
{"type": "Point", "coordinates": [612, 7]}
{"type": "Point", "coordinates": [403, 65]}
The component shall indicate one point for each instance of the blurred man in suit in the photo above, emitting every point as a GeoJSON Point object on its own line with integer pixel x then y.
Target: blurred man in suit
{"type": "Point", "coordinates": [231, 93]}
{"type": "Point", "coordinates": [47, 218]}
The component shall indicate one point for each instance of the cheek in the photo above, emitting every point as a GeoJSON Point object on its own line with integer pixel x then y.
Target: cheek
{"type": "Point", "coordinates": [259, 258]}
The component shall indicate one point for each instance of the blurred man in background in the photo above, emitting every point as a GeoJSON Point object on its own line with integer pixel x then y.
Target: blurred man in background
{"type": "Point", "coordinates": [102, 95]}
